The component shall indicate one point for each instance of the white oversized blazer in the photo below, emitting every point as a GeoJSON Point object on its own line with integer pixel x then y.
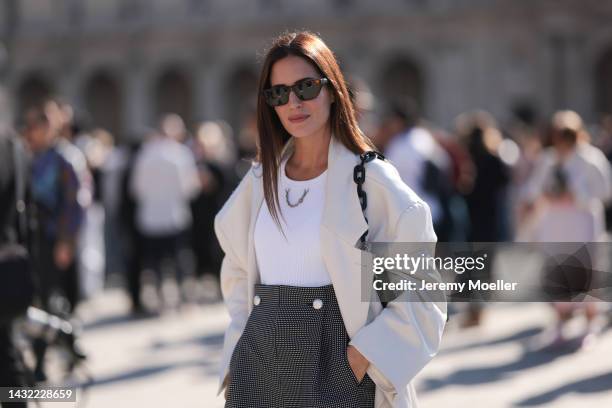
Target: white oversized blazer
{"type": "Point", "coordinates": [398, 340]}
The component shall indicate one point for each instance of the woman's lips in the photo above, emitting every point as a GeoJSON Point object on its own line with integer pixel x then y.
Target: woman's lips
{"type": "Point", "coordinates": [298, 118]}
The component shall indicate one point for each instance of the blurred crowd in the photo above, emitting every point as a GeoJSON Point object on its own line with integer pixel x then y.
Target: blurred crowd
{"type": "Point", "coordinates": [105, 208]}
{"type": "Point", "coordinates": [535, 181]}
{"type": "Point", "coordinates": [106, 212]}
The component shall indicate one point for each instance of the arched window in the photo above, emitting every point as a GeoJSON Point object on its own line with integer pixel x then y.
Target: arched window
{"type": "Point", "coordinates": [173, 94]}
{"type": "Point", "coordinates": [241, 94]}
{"type": "Point", "coordinates": [402, 81]}
{"type": "Point", "coordinates": [603, 83]}
{"type": "Point", "coordinates": [103, 102]}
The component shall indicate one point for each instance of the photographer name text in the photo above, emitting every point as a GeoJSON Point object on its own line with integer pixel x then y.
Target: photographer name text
{"type": "Point", "coordinates": [478, 285]}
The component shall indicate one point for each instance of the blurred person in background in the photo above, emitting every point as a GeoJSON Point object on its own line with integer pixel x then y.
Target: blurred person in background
{"type": "Point", "coordinates": [421, 162]}
{"type": "Point", "coordinates": [12, 372]}
{"type": "Point", "coordinates": [564, 202]}
{"type": "Point", "coordinates": [215, 158]}
{"type": "Point", "coordinates": [173, 126]}
{"type": "Point", "coordinates": [246, 142]}
{"type": "Point", "coordinates": [70, 138]}
{"type": "Point", "coordinates": [452, 183]}
{"type": "Point", "coordinates": [98, 148]}
{"type": "Point", "coordinates": [392, 123]}
{"type": "Point", "coordinates": [604, 142]}
{"type": "Point", "coordinates": [526, 133]}
{"type": "Point", "coordinates": [364, 101]}
{"type": "Point", "coordinates": [485, 195]}
{"type": "Point", "coordinates": [133, 243]}
{"type": "Point", "coordinates": [113, 162]}
{"type": "Point", "coordinates": [61, 120]}
{"type": "Point", "coordinates": [164, 181]}
{"type": "Point", "coordinates": [55, 187]}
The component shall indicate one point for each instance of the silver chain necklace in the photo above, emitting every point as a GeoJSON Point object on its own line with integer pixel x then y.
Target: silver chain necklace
{"type": "Point", "coordinates": [300, 201]}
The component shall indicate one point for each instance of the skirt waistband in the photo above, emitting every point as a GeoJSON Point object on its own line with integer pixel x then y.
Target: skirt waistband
{"type": "Point", "coordinates": [284, 294]}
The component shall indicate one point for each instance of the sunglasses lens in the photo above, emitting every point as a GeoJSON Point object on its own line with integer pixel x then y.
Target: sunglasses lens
{"type": "Point", "coordinates": [277, 95]}
{"type": "Point", "coordinates": [308, 89]}
{"type": "Point", "coordinates": [305, 90]}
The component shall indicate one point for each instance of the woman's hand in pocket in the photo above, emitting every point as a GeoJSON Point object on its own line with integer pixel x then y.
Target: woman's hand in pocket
{"type": "Point", "coordinates": [358, 363]}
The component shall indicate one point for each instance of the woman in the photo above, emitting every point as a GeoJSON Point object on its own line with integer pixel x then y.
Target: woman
{"type": "Point", "coordinates": [300, 334]}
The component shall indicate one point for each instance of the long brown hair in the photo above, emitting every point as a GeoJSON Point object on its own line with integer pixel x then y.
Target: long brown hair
{"type": "Point", "coordinates": [272, 136]}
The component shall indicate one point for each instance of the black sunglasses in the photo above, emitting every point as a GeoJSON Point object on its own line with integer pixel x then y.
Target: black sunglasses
{"type": "Point", "coordinates": [305, 89]}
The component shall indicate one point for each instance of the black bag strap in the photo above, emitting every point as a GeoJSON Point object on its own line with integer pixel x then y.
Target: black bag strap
{"type": "Point", "coordinates": [20, 189]}
{"type": "Point", "coordinates": [359, 173]}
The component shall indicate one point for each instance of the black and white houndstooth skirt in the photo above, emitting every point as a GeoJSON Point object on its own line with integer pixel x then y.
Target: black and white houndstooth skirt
{"type": "Point", "coordinates": [292, 353]}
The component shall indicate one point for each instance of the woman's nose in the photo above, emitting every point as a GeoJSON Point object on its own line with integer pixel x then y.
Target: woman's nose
{"type": "Point", "coordinates": [293, 99]}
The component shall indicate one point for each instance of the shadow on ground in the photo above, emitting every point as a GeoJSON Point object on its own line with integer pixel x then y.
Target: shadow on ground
{"type": "Point", "coordinates": [488, 374]}
{"type": "Point", "coordinates": [521, 335]}
{"type": "Point", "coordinates": [599, 383]}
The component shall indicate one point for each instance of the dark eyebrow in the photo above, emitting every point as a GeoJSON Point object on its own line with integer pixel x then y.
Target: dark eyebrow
{"type": "Point", "coordinates": [295, 81]}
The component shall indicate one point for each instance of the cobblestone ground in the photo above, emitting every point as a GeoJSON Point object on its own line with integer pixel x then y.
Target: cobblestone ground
{"type": "Point", "coordinates": [172, 360]}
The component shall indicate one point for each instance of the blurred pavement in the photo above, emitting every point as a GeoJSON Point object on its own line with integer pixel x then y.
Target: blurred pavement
{"type": "Point", "coordinates": [171, 360]}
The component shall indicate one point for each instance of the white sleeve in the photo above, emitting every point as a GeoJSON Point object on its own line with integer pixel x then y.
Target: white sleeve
{"type": "Point", "coordinates": [411, 326]}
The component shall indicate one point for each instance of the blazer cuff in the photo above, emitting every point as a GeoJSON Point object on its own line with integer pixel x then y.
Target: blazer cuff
{"type": "Point", "coordinates": [400, 349]}
{"type": "Point", "coordinates": [375, 374]}
{"type": "Point", "coordinates": [380, 380]}
{"type": "Point", "coordinates": [223, 381]}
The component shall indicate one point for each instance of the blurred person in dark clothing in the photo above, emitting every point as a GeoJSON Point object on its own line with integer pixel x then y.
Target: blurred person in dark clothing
{"type": "Point", "coordinates": [54, 188]}
{"type": "Point", "coordinates": [11, 368]}
{"type": "Point", "coordinates": [133, 243]}
{"type": "Point", "coordinates": [60, 116]}
{"type": "Point", "coordinates": [491, 176]}
{"type": "Point", "coordinates": [485, 195]}
{"type": "Point", "coordinates": [215, 159]}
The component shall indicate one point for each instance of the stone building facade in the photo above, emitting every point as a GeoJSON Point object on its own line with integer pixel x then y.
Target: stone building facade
{"type": "Point", "coordinates": [125, 61]}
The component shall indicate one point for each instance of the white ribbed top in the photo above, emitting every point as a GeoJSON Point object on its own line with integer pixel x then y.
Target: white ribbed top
{"type": "Point", "coordinates": [294, 259]}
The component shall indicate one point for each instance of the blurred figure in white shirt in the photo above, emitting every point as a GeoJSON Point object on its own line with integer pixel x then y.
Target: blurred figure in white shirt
{"type": "Point", "coordinates": [569, 186]}
{"type": "Point", "coordinates": [564, 202]}
{"type": "Point", "coordinates": [420, 160]}
{"type": "Point", "coordinates": [164, 181]}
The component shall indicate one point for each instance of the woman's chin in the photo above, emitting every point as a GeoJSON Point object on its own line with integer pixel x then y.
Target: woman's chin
{"type": "Point", "coordinates": [300, 133]}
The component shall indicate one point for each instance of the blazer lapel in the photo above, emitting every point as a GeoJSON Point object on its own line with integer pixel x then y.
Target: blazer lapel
{"type": "Point", "coordinates": [256, 203]}
{"type": "Point", "coordinates": [342, 225]}
{"type": "Point", "coordinates": [342, 212]}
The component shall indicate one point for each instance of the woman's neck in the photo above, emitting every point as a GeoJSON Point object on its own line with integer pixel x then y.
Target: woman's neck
{"type": "Point", "coordinates": [309, 158]}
